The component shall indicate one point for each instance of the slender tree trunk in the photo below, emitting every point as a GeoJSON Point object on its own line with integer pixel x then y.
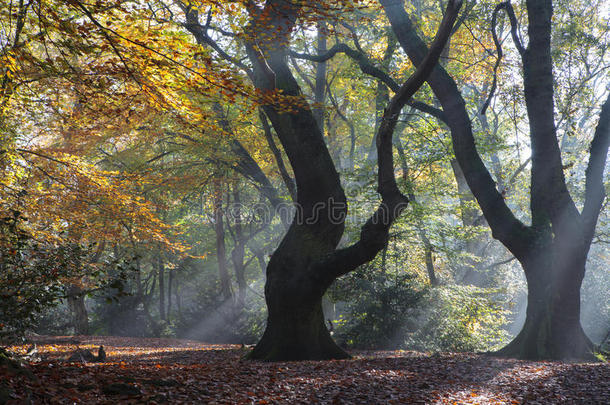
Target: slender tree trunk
{"type": "Point", "coordinates": [260, 258]}
{"type": "Point", "coordinates": [221, 254]}
{"type": "Point", "coordinates": [170, 283]}
{"type": "Point", "coordinates": [238, 253]}
{"type": "Point", "coordinates": [419, 223]}
{"type": "Point", "coordinates": [469, 270]}
{"type": "Point", "coordinates": [177, 299]}
{"type": "Point", "coordinates": [429, 260]}
{"type": "Point", "coordinates": [352, 130]}
{"type": "Point", "coordinates": [161, 275]}
{"type": "Point", "coordinates": [320, 85]}
{"type": "Point", "coordinates": [144, 296]}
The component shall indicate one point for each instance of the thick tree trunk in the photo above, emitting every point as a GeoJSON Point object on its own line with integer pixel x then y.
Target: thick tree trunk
{"type": "Point", "coordinates": [76, 303]}
{"type": "Point", "coordinates": [295, 323]}
{"type": "Point", "coordinates": [296, 329]}
{"type": "Point", "coordinates": [552, 328]}
{"type": "Point", "coordinates": [553, 249]}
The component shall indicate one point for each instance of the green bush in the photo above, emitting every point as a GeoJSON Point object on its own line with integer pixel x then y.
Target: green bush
{"type": "Point", "coordinates": [378, 311]}
{"type": "Point", "coordinates": [31, 275]}
{"type": "Point", "coordinates": [382, 310]}
{"type": "Point", "coordinates": [458, 318]}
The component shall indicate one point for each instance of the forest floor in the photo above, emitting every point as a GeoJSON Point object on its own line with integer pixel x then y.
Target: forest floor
{"type": "Point", "coordinates": [173, 371]}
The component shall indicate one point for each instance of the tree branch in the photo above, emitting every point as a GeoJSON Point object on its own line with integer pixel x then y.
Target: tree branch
{"type": "Point", "coordinates": [288, 181]}
{"type": "Point", "coordinates": [514, 26]}
{"type": "Point", "coordinates": [505, 226]}
{"type": "Point", "coordinates": [515, 34]}
{"type": "Point", "coordinates": [374, 233]}
{"type": "Point", "coordinates": [367, 67]}
{"type": "Point", "coordinates": [594, 186]}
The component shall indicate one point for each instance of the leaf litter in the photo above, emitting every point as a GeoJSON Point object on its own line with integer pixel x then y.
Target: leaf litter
{"type": "Point", "coordinates": [157, 371]}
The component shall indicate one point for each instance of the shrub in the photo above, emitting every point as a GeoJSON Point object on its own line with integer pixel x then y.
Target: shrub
{"type": "Point", "coordinates": [458, 318]}
{"type": "Point", "coordinates": [31, 275]}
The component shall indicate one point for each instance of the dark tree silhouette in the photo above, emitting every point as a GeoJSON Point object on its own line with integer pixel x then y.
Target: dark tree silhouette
{"type": "Point", "coordinates": [307, 260]}
{"type": "Point", "coordinates": [553, 249]}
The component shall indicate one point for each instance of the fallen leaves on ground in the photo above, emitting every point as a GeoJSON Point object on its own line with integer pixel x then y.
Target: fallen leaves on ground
{"type": "Point", "coordinates": [157, 371]}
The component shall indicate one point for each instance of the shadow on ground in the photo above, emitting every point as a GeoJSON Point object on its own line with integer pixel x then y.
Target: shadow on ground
{"type": "Point", "coordinates": [177, 371]}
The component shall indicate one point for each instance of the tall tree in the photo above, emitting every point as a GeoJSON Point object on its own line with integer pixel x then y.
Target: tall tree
{"type": "Point", "coordinates": [553, 249]}
{"type": "Point", "coordinates": [307, 260]}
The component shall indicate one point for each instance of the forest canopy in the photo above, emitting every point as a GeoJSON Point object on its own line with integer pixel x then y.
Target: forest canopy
{"type": "Point", "coordinates": [308, 177]}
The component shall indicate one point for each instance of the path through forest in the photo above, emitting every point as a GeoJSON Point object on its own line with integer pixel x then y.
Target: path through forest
{"type": "Point", "coordinates": [139, 370]}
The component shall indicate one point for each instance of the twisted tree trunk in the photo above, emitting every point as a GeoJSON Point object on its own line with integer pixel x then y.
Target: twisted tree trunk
{"type": "Point", "coordinates": [307, 260]}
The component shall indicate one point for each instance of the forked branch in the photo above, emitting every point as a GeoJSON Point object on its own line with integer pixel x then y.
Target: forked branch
{"type": "Point", "coordinates": [515, 34]}
{"type": "Point", "coordinates": [374, 234]}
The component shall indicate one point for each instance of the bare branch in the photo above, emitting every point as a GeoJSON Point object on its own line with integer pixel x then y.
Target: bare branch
{"type": "Point", "coordinates": [374, 233]}
{"type": "Point", "coordinates": [514, 27]}
{"type": "Point", "coordinates": [513, 22]}
{"type": "Point", "coordinates": [367, 67]}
